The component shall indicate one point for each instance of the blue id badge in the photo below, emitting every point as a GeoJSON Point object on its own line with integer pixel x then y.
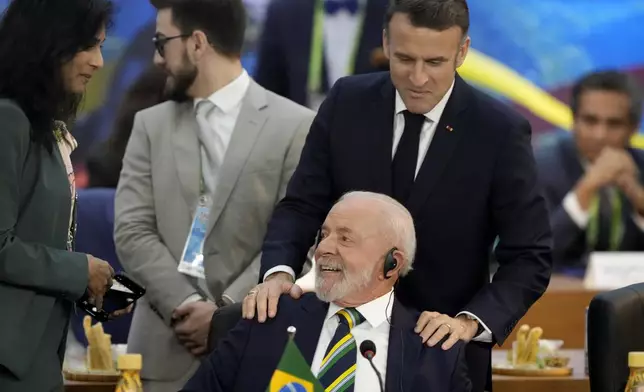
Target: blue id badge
{"type": "Point", "coordinates": [192, 258]}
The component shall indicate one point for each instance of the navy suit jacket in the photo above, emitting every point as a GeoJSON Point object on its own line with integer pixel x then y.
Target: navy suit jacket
{"type": "Point", "coordinates": [285, 46]}
{"type": "Point", "coordinates": [246, 359]}
{"type": "Point", "coordinates": [477, 181]}
{"type": "Point", "coordinates": [560, 169]}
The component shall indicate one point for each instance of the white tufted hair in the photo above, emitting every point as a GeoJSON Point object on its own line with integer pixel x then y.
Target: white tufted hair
{"type": "Point", "coordinates": [399, 224]}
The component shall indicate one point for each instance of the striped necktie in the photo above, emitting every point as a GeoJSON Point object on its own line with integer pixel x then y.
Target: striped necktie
{"type": "Point", "coordinates": [338, 369]}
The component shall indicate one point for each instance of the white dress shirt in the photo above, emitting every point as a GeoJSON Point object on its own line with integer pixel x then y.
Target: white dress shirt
{"type": "Point", "coordinates": [227, 101]}
{"type": "Point", "coordinates": [432, 119]}
{"type": "Point", "coordinates": [222, 120]}
{"type": "Point", "coordinates": [340, 33]}
{"type": "Point", "coordinates": [377, 314]}
{"type": "Point", "coordinates": [581, 217]}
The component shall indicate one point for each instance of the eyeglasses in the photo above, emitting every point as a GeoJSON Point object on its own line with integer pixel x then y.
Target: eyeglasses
{"type": "Point", "coordinates": [160, 41]}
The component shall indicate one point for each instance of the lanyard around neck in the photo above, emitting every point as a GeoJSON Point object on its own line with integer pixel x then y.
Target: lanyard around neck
{"type": "Point", "coordinates": [616, 222]}
{"type": "Point", "coordinates": [316, 57]}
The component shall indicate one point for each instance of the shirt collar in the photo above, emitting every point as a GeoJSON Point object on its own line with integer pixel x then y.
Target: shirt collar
{"type": "Point", "coordinates": [231, 95]}
{"type": "Point", "coordinates": [375, 312]}
{"type": "Point", "coordinates": [433, 115]}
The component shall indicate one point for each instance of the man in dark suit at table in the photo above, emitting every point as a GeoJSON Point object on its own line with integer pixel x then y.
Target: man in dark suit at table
{"type": "Point", "coordinates": [592, 179]}
{"type": "Point", "coordinates": [460, 161]}
{"type": "Point", "coordinates": [367, 242]}
{"type": "Point", "coordinates": [306, 45]}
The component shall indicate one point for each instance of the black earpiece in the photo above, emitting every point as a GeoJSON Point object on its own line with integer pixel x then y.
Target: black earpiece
{"type": "Point", "coordinates": [390, 263]}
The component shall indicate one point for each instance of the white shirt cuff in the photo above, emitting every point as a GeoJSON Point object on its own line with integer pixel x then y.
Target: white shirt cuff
{"type": "Point", "coordinates": [573, 208]}
{"type": "Point", "coordinates": [279, 268]}
{"type": "Point", "coordinates": [639, 221]}
{"type": "Point", "coordinates": [485, 336]}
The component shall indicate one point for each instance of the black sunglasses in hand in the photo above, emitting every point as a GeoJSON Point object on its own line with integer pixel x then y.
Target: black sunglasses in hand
{"type": "Point", "coordinates": [159, 42]}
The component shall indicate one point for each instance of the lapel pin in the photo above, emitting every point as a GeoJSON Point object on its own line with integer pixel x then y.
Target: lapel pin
{"type": "Point", "coordinates": [449, 128]}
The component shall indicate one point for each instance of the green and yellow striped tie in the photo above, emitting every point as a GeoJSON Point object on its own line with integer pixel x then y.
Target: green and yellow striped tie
{"type": "Point", "coordinates": [338, 369]}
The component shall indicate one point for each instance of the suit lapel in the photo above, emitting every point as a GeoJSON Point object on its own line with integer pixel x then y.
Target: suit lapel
{"type": "Point", "coordinates": [451, 128]}
{"type": "Point", "coordinates": [379, 135]}
{"type": "Point", "coordinates": [186, 153]}
{"type": "Point", "coordinates": [571, 159]}
{"type": "Point", "coordinates": [250, 121]}
{"type": "Point", "coordinates": [310, 325]}
{"type": "Point", "coordinates": [404, 350]}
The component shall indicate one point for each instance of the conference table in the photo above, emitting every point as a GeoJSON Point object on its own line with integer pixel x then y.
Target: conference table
{"type": "Point", "coordinates": [80, 386]}
{"type": "Point", "coordinates": [577, 382]}
{"type": "Point", "coordinates": [560, 312]}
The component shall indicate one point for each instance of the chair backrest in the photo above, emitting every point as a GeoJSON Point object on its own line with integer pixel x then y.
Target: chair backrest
{"type": "Point", "coordinates": [95, 218]}
{"type": "Point", "coordinates": [223, 320]}
{"type": "Point", "coordinates": [95, 236]}
{"type": "Point", "coordinates": [615, 327]}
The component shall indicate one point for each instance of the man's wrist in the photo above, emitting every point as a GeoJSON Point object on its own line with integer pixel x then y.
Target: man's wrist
{"type": "Point", "coordinates": [279, 275]}
{"type": "Point", "coordinates": [585, 191]}
{"type": "Point", "coordinates": [473, 324]}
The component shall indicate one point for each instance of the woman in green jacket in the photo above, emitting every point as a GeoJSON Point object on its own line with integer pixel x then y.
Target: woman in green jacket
{"type": "Point", "coordinates": [49, 50]}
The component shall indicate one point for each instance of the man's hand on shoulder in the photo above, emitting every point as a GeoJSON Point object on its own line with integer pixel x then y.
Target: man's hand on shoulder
{"type": "Point", "coordinates": [264, 297]}
{"type": "Point", "coordinates": [434, 326]}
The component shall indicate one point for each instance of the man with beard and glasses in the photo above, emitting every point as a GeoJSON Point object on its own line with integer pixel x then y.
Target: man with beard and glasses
{"type": "Point", "coordinates": [201, 175]}
{"type": "Point", "coordinates": [366, 243]}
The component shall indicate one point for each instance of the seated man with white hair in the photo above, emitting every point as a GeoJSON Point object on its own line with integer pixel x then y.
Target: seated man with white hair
{"type": "Point", "coordinates": [367, 241]}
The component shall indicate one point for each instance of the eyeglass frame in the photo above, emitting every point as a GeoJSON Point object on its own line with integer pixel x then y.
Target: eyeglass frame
{"type": "Point", "coordinates": [159, 42]}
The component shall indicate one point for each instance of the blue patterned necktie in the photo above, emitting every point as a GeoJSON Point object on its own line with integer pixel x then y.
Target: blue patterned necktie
{"type": "Point", "coordinates": [333, 6]}
{"type": "Point", "coordinates": [338, 369]}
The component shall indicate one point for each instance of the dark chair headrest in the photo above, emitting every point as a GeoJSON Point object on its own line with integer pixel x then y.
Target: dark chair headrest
{"type": "Point", "coordinates": [615, 327]}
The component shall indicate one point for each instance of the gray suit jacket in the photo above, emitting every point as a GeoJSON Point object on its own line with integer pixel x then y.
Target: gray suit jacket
{"type": "Point", "coordinates": [39, 278]}
{"type": "Point", "coordinates": [157, 196]}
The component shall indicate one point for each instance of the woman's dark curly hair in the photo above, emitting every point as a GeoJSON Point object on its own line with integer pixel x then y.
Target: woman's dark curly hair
{"type": "Point", "coordinates": [36, 38]}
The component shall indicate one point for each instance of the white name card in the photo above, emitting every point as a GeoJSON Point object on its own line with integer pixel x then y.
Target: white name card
{"type": "Point", "coordinates": [613, 270]}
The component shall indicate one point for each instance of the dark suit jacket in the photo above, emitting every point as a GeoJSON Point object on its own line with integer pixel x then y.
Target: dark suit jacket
{"type": "Point", "coordinates": [39, 279]}
{"type": "Point", "coordinates": [246, 359]}
{"type": "Point", "coordinates": [285, 46]}
{"type": "Point", "coordinates": [560, 169]}
{"type": "Point", "coordinates": [476, 182]}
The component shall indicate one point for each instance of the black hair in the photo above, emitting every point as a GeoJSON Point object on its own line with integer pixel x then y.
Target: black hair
{"type": "Point", "coordinates": [610, 80]}
{"type": "Point", "coordinates": [37, 37]}
{"type": "Point", "coordinates": [437, 15]}
{"type": "Point", "coordinates": [222, 21]}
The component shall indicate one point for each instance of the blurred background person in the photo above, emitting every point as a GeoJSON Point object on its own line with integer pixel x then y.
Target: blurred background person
{"type": "Point", "coordinates": [592, 178]}
{"type": "Point", "coordinates": [49, 50]}
{"type": "Point", "coordinates": [105, 161]}
{"type": "Point", "coordinates": [201, 171]}
{"type": "Point", "coordinates": [306, 45]}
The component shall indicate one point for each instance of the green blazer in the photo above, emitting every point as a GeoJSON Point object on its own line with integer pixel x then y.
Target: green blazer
{"type": "Point", "coordinates": [39, 278]}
